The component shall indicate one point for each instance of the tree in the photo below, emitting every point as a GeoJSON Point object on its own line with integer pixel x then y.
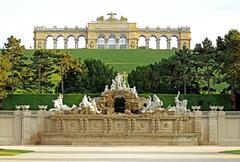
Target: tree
{"type": "Point", "coordinates": [167, 76]}
{"type": "Point", "coordinates": [5, 67]}
{"type": "Point", "coordinates": [231, 66]}
{"type": "Point", "coordinates": [184, 68]}
{"type": "Point", "coordinates": [14, 51]}
{"type": "Point", "coordinates": [67, 63]}
{"type": "Point", "coordinates": [98, 76]}
{"type": "Point", "coordinates": [205, 55]}
{"type": "Point", "coordinates": [42, 69]}
{"type": "Point", "coordinates": [92, 79]}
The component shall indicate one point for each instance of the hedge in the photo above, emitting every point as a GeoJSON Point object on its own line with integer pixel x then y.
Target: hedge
{"type": "Point", "coordinates": [168, 99]}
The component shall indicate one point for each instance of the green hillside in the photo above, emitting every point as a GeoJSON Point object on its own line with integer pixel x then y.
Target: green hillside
{"type": "Point", "coordinates": [120, 60]}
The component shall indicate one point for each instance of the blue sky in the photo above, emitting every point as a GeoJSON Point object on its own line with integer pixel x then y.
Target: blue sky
{"type": "Point", "coordinates": [207, 18]}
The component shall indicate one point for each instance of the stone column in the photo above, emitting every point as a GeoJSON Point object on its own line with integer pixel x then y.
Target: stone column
{"type": "Point", "coordinates": [44, 44]}
{"type": "Point", "coordinates": [18, 127]}
{"type": "Point", "coordinates": [128, 45]}
{"type": "Point", "coordinates": [198, 123]}
{"type": "Point", "coordinates": [168, 43]}
{"type": "Point", "coordinates": [212, 127]}
{"type": "Point", "coordinates": [147, 43]}
{"type": "Point", "coordinates": [158, 44]}
{"type": "Point", "coordinates": [221, 126]}
{"type": "Point", "coordinates": [54, 43]}
{"type": "Point", "coordinates": [117, 44]}
{"type": "Point", "coordinates": [35, 44]}
{"type": "Point", "coordinates": [179, 44]}
{"type": "Point", "coordinates": [106, 44]}
{"type": "Point", "coordinates": [40, 120]}
{"type": "Point", "coordinates": [65, 43]}
{"type": "Point", "coordinates": [137, 44]}
{"type": "Point", "coordinates": [76, 43]}
{"type": "Point", "coordinates": [26, 127]}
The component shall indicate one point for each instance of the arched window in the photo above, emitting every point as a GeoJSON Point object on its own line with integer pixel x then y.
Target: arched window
{"type": "Point", "coordinates": [153, 42]}
{"type": "Point", "coordinates": [101, 42]}
{"type": "Point", "coordinates": [123, 43]}
{"type": "Point", "coordinates": [174, 42]}
{"type": "Point", "coordinates": [49, 42]}
{"type": "Point", "coordinates": [111, 43]}
{"type": "Point", "coordinates": [60, 42]}
{"type": "Point", "coordinates": [163, 42]}
{"type": "Point", "coordinates": [71, 42]}
{"type": "Point", "coordinates": [81, 42]}
{"type": "Point", "coordinates": [141, 42]}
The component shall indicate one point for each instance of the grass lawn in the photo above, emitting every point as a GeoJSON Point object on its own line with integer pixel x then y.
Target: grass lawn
{"type": "Point", "coordinates": [120, 59]}
{"type": "Point", "coordinates": [237, 152]}
{"type": "Point", "coordinates": [11, 152]}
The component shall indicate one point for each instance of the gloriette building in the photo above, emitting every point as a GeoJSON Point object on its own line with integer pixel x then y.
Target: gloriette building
{"type": "Point", "coordinates": [111, 33]}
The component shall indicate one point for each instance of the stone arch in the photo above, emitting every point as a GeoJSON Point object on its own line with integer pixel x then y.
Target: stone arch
{"type": "Point", "coordinates": [174, 42]}
{"type": "Point", "coordinates": [71, 42]}
{"type": "Point", "coordinates": [49, 42]}
{"type": "Point", "coordinates": [163, 42]}
{"type": "Point", "coordinates": [142, 41]}
{"type": "Point", "coordinates": [81, 41]}
{"type": "Point", "coordinates": [101, 35]}
{"type": "Point", "coordinates": [60, 41]}
{"type": "Point", "coordinates": [153, 42]}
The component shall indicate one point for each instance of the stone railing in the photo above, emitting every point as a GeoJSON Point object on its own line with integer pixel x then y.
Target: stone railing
{"type": "Point", "coordinates": [6, 112]}
{"type": "Point", "coordinates": [157, 29]}
{"type": "Point", "coordinates": [232, 113]}
{"type": "Point", "coordinates": [55, 28]}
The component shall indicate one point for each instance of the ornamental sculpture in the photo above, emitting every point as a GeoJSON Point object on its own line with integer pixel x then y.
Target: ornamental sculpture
{"type": "Point", "coordinates": [120, 98]}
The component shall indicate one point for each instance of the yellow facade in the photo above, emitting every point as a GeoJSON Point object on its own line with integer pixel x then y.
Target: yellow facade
{"type": "Point", "coordinates": [111, 33]}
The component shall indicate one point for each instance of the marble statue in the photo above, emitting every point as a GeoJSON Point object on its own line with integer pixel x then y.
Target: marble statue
{"type": "Point", "coordinates": [58, 104]}
{"type": "Point", "coordinates": [89, 103]}
{"type": "Point", "coordinates": [119, 81]}
{"type": "Point", "coordinates": [181, 106]}
{"type": "Point", "coordinates": [113, 85]}
{"type": "Point", "coordinates": [134, 91]}
{"type": "Point", "coordinates": [152, 104]}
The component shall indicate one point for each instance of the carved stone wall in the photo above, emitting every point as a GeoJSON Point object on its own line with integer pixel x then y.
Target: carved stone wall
{"type": "Point", "coordinates": [42, 127]}
{"type": "Point", "coordinates": [157, 129]}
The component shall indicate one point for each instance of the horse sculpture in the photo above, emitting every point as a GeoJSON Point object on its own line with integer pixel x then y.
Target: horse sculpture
{"type": "Point", "coordinates": [89, 103]}
{"type": "Point", "coordinates": [58, 104]}
{"type": "Point", "coordinates": [181, 106]}
{"type": "Point", "coordinates": [152, 104]}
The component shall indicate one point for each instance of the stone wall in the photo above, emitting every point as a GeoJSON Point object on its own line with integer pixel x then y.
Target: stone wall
{"type": "Point", "coordinates": [37, 127]}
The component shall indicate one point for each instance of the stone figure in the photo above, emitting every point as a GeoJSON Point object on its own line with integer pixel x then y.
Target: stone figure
{"type": "Point", "coordinates": [89, 103]}
{"type": "Point", "coordinates": [113, 85]}
{"type": "Point", "coordinates": [157, 102]}
{"type": "Point", "coordinates": [58, 104]}
{"type": "Point", "coordinates": [181, 106]}
{"type": "Point", "coordinates": [134, 91]}
{"type": "Point", "coordinates": [152, 104]}
{"type": "Point", "coordinates": [101, 18]}
{"type": "Point", "coordinates": [123, 18]}
{"type": "Point", "coordinates": [118, 80]}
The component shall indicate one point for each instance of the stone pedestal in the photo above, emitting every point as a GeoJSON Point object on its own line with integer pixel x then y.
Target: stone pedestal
{"type": "Point", "coordinates": [18, 127]}
{"type": "Point", "coordinates": [213, 127]}
{"type": "Point", "coordinates": [26, 127]}
{"type": "Point", "coordinates": [221, 120]}
{"type": "Point", "coordinates": [198, 123]}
